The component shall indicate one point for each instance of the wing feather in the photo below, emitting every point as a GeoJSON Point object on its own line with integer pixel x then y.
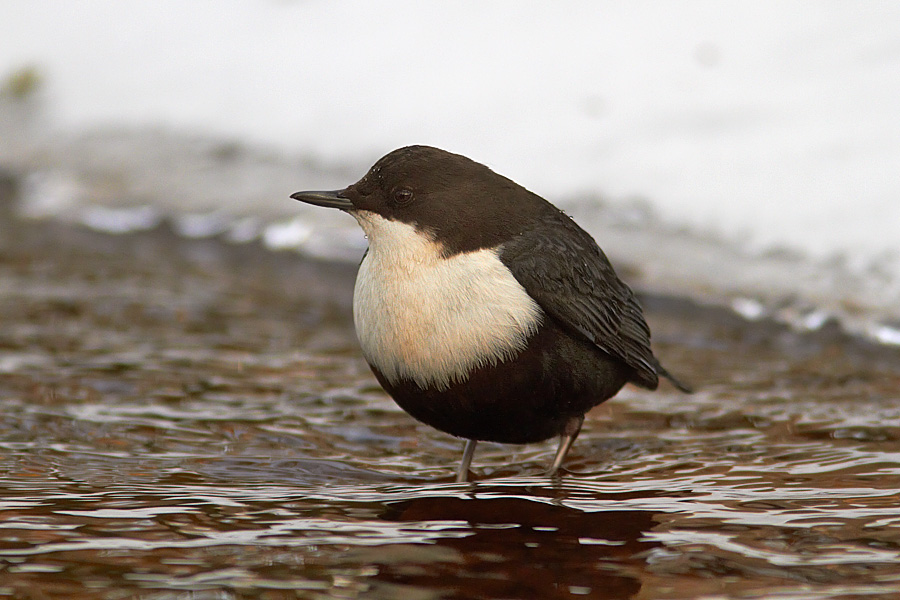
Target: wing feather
{"type": "Point", "coordinates": [569, 276]}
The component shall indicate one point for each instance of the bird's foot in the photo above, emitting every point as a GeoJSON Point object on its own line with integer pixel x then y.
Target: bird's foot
{"type": "Point", "coordinates": [573, 427]}
{"type": "Point", "coordinates": [462, 474]}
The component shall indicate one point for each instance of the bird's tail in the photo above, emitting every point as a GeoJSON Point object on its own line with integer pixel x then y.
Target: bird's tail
{"type": "Point", "coordinates": [661, 370]}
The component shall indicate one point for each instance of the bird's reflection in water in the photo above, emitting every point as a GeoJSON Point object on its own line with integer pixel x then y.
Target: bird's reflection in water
{"type": "Point", "coordinates": [518, 548]}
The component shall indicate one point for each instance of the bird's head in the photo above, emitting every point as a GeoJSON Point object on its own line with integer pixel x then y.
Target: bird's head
{"type": "Point", "coordinates": [455, 201]}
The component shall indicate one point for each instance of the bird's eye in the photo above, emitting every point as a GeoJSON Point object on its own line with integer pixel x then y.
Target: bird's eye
{"type": "Point", "coordinates": [403, 196]}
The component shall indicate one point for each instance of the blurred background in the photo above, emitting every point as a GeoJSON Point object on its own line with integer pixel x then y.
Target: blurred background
{"type": "Point", "coordinates": [184, 410]}
{"type": "Point", "coordinates": [737, 153]}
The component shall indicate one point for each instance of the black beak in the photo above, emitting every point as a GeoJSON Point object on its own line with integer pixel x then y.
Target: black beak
{"type": "Point", "coordinates": [327, 199]}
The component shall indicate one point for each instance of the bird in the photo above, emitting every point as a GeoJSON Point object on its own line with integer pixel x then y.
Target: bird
{"type": "Point", "coordinates": [484, 310]}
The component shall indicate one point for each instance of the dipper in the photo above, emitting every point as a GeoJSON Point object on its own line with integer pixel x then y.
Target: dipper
{"type": "Point", "coordinates": [484, 310]}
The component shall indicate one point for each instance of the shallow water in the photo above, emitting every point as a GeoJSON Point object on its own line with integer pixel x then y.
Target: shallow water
{"type": "Point", "coordinates": [192, 419]}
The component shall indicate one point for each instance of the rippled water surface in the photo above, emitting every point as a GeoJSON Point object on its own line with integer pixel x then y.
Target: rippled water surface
{"type": "Point", "coordinates": [189, 419]}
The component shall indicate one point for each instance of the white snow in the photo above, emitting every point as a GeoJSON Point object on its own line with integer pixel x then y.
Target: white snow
{"type": "Point", "coordinates": [775, 124]}
{"type": "Point", "coordinates": [776, 120]}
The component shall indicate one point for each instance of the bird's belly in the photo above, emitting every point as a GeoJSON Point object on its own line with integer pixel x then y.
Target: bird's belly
{"type": "Point", "coordinates": [434, 320]}
{"type": "Point", "coordinates": [528, 398]}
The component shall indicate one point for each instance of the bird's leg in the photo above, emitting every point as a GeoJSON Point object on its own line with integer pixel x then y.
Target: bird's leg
{"type": "Point", "coordinates": [468, 452]}
{"type": "Point", "coordinates": [573, 426]}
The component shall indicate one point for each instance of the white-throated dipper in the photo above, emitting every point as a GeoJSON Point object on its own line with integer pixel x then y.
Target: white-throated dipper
{"type": "Point", "coordinates": [484, 310]}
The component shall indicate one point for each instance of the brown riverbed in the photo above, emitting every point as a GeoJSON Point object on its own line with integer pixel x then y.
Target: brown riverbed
{"type": "Point", "coordinates": [192, 419]}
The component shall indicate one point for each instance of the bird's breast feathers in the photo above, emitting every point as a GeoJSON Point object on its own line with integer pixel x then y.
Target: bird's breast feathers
{"type": "Point", "coordinates": [432, 319]}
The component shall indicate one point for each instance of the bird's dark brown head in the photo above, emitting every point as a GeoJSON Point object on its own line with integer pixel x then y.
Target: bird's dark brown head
{"type": "Point", "coordinates": [456, 200]}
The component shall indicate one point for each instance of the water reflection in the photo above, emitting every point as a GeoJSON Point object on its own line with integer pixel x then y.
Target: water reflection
{"type": "Point", "coordinates": [519, 548]}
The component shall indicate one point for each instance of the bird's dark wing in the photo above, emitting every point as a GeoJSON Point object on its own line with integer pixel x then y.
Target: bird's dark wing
{"type": "Point", "coordinates": [569, 276]}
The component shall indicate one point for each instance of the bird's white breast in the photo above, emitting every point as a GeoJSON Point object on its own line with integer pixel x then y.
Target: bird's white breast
{"type": "Point", "coordinates": [432, 319]}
